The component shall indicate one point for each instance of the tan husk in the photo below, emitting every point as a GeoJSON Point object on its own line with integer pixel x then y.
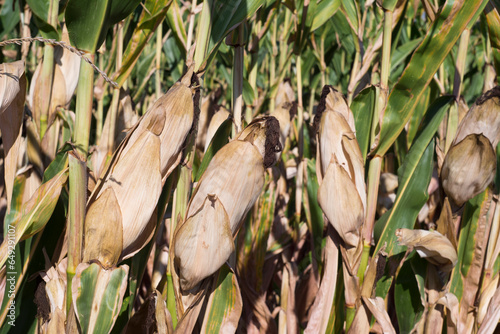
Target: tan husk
{"type": "Point", "coordinates": [468, 168]}
{"type": "Point", "coordinates": [483, 118]}
{"type": "Point", "coordinates": [342, 191]}
{"type": "Point", "coordinates": [227, 190]}
{"type": "Point", "coordinates": [138, 169]}
{"type": "Point", "coordinates": [432, 245]}
{"type": "Point", "coordinates": [217, 119]}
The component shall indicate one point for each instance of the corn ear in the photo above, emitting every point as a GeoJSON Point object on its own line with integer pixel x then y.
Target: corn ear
{"type": "Point", "coordinates": [218, 118]}
{"type": "Point", "coordinates": [227, 190]}
{"type": "Point", "coordinates": [133, 181]}
{"type": "Point", "coordinates": [468, 168]}
{"type": "Point", "coordinates": [342, 192]}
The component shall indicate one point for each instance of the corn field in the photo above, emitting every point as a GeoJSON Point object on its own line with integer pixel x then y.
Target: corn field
{"type": "Point", "coordinates": [249, 166]}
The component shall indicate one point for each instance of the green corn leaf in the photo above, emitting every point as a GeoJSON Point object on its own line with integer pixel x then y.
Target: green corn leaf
{"type": "Point", "coordinates": [41, 10]}
{"type": "Point", "coordinates": [407, 297]}
{"type": "Point", "coordinates": [154, 12]}
{"type": "Point", "coordinates": [217, 19]}
{"type": "Point", "coordinates": [414, 177]}
{"type": "Point", "coordinates": [324, 11]}
{"type": "Point", "coordinates": [36, 212]}
{"type": "Point", "coordinates": [470, 243]}
{"type": "Point", "coordinates": [89, 21]}
{"type": "Point", "coordinates": [426, 59]}
{"type": "Point", "coordinates": [224, 305]}
{"type": "Point", "coordinates": [97, 296]}
{"type": "Point", "coordinates": [362, 107]}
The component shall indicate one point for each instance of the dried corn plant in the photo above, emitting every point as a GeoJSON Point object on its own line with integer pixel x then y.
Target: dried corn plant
{"type": "Point", "coordinates": [249, 166]}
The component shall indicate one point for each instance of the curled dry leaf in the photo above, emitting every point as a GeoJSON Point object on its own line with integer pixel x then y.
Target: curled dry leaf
{"type": "Point", "coordinates": [468, 168]}
{"type": "Point", "coordinates": [432, 245]}
{"type": "Point", "coordinates": [227, 190]}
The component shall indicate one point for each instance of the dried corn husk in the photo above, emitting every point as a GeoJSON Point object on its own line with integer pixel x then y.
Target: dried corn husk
{"type": "Point", "coordinates": [342, 193]}
{"type": "Point", "coordinates": [12, 96]}
{"type": "Point", "coordinates": [482, 118]}
{"type": "Point", "coordinates": [468, 168]}
{"type": "Point", "coordinates": [227, 190]}
{"type": "Point", "coordinates": [133, 181]}
{"type": "Point", "coordinates": [432, 245]}
{"type": "Point", "coordinates": [218, 118]}
{"type": "Point", "coordinates": [52, 296]}
{"type": "Point", "coordinates": [66, 74]}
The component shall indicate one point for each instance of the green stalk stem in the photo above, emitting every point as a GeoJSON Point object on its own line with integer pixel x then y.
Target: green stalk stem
{"type": "Point", "coordinates": [100, 105]}
{"type": "Point", "coordinates": [460, 63]}
{"type": "Point", "coordinates": [380, 104]}
{"type": "Point", "coordinates": [376, 163]}
{"type": "Point", "coordinates": [272, 60]}
{"type": "Point", "coordinates": [159, 44]}
{"type": "Point", "coordinates": [47, 74]}
{"type": "Point", "coordinates": [191, 27]}
{"type": "Point", "coordinates": [238, 81]}
{"type": "Point", "coordinates": [46, 81]}
{"type": "Point", "coordinates": [113, 111]}
{"type": "Point", "coordinates": [78, 170]}
{"type": "Point", "coordinates": [300, 129]}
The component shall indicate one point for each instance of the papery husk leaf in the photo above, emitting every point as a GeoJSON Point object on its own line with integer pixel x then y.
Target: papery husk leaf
{"type": "Point", "coordinates": [450, 301]}
{"type": "Point", "coordinates": [12, 94]}
{"type": "Point", "coordinates": [55, 293]}
{"type": "Point", "coordinates": [203, 243]}
{"type": "Point", "coordinates": [217, 119]}
{"type": "Point", "coordinates": [98, 296]}
{"type": "Point", "coordinates": [485, 298]}
{"type": "Point", "coordinates": [468, 168]}
{"type": "Point", "coordinates": [332, 127]}
{"type": "Point", "coordinates": [492, 317]}
{"type": "Point", "coordinates": [323, 302]}
{"type": "Point", "coordinates": [236, 176]}
{"type": "Point", "coordinates": [284, 94]}
{"type": "Point", "coordinates": [282, 114]}
{"type": "Point", "coordinates": [103, 230]}
{"type": "Point", "coordinates": [432, 245]}
{"type": "Point", "coordinates": [483, 118]}
{"type": "Point", "coordinates": [152, 316]}
{"type": "Point", "coordinates": [136, 182]}
{"type": "Point", "coordinates": [377, 308]}
{"type": "Point", "coordinates": [206, 114]}
{"type": "Point", "coordinates": [339, 200]}
{"type": "Point", "coordinates": [355, 166]}
{"type": "Point", "coordinates": [264, 134]}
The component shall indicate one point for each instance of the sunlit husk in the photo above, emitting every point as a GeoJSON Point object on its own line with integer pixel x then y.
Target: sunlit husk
{"type": "Point", "coordinates": [342, 192]}
{"type": "Point", "coordinates": [65, 80]}
{"type": "Point", "coordinates": [284, 94]}
{"type": "Point", "coordinates": [227, 190]}
{"type": "Point", "coordinates": [218, 118]}
{"type": "Point", "coordinates": [432, 245]}
{"type": "Point", "coordinates": [482, 118]}
{"type": "Point", "coordinates": [137, 172]}
{"type": "Point", "coordinates": [12, 95]}
{"type": "Point", "coordinates": [340, 201]}
{"type": "Point", "coordinates": [468, 168]}
{"type": "Point", "coordinates": [212, 244]}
